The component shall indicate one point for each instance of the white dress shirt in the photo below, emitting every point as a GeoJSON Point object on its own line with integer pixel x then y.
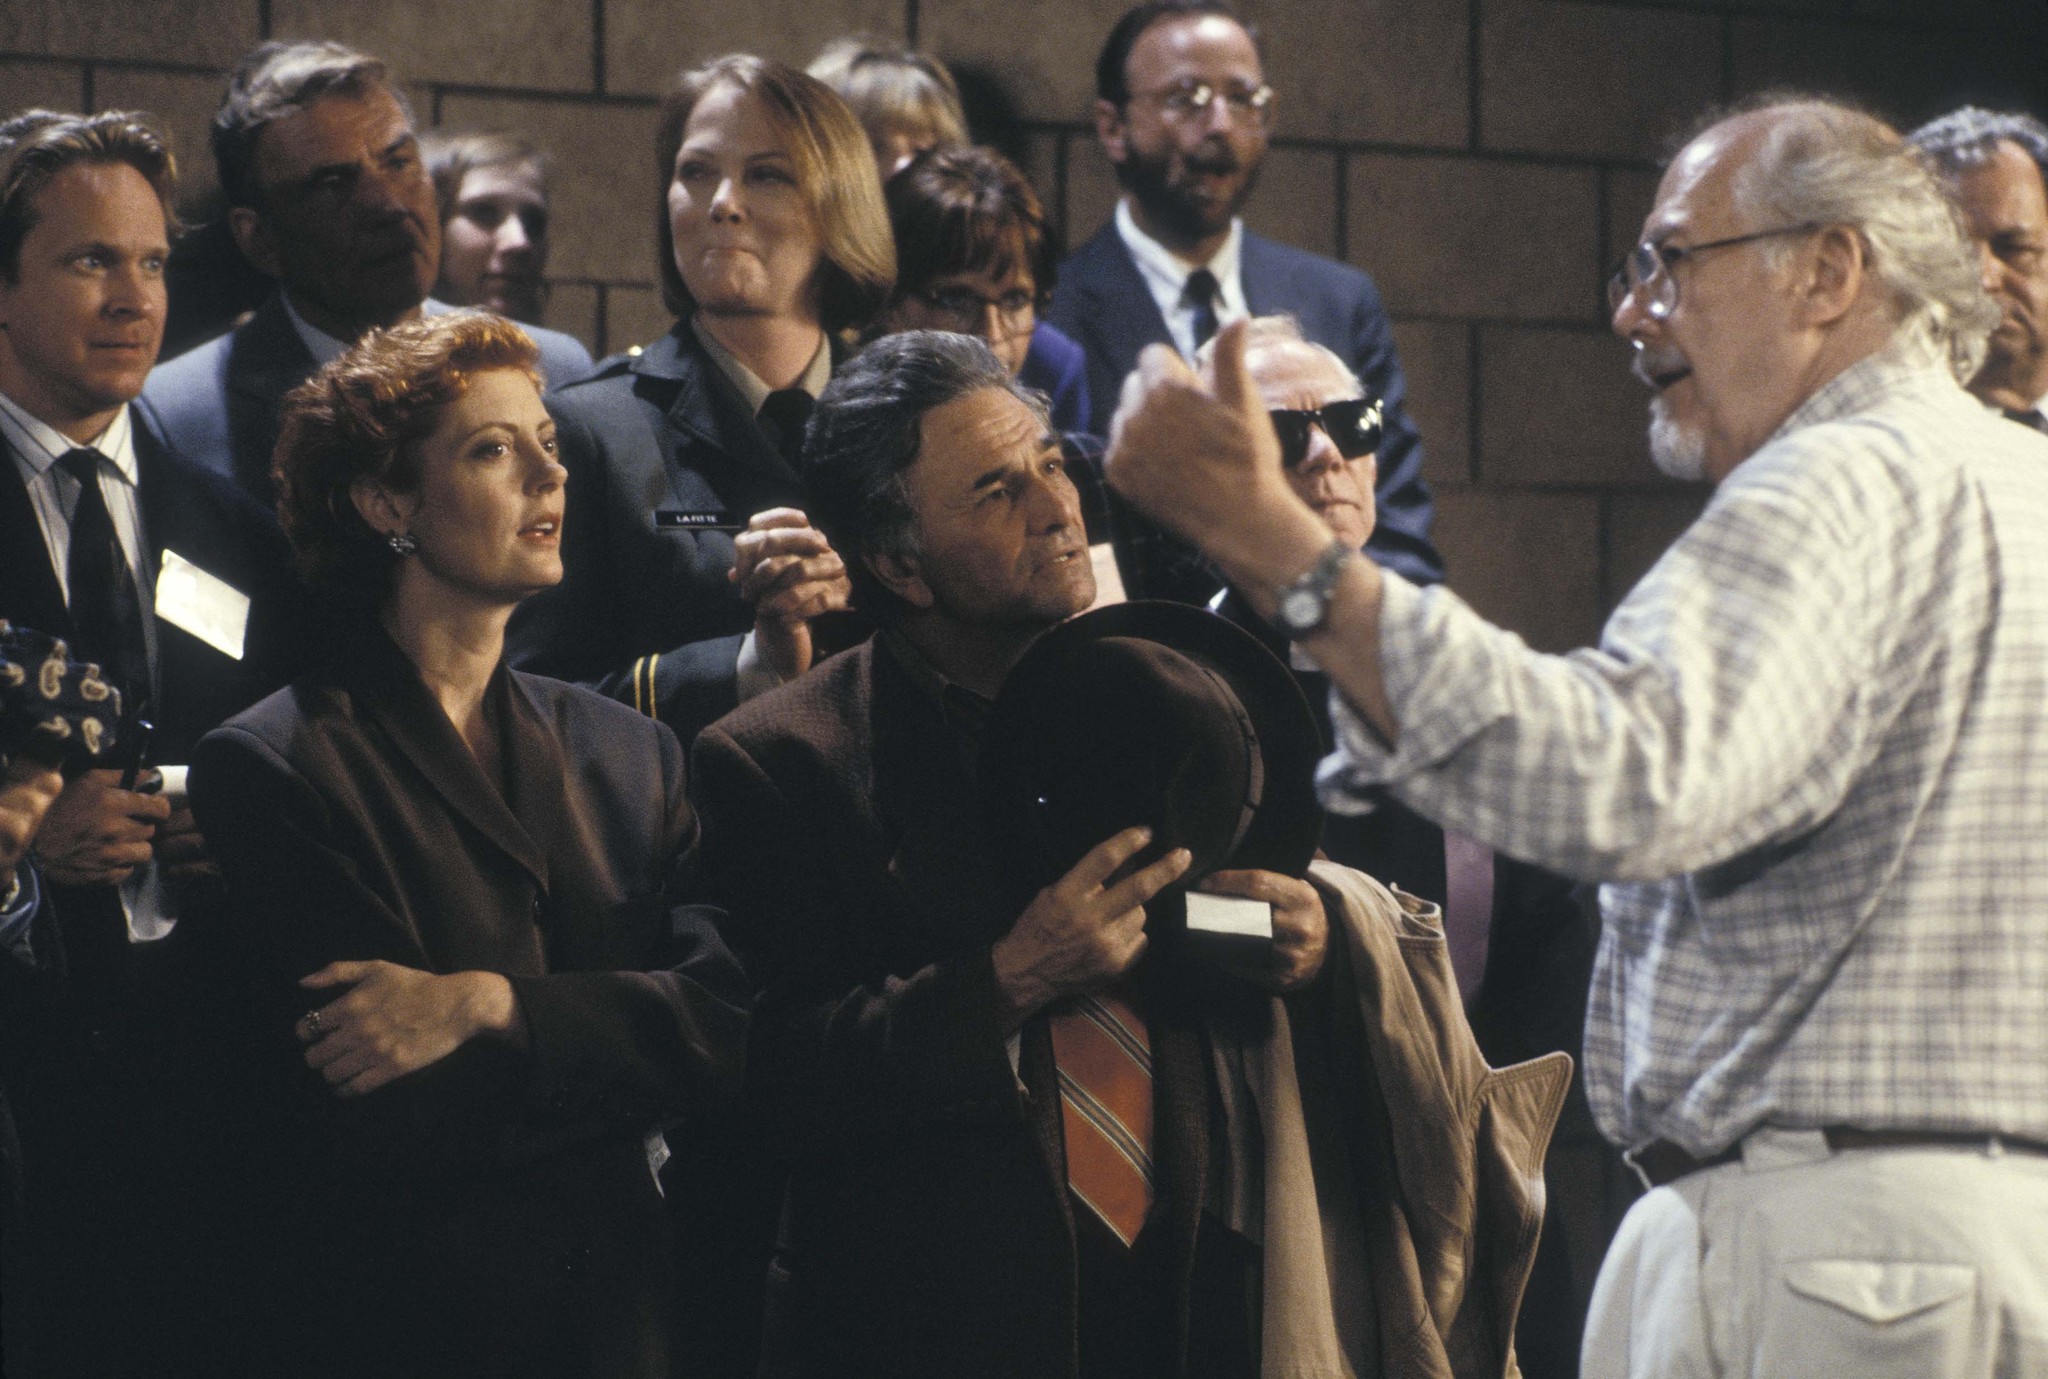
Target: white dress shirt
{"type": "Point", "coordinates": [53, 493]}
{"type": "Point", "coordinates": [1166, 275]}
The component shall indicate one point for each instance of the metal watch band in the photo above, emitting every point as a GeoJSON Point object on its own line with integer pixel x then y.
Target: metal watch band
{"type": "Point", "coordinates": [1305, 604]}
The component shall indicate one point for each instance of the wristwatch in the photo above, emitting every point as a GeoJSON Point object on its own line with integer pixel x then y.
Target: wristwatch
{"type": "Point", "coordinates": [1305, 604]}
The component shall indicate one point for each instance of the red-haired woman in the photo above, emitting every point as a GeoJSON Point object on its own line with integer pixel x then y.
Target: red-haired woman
{"type": "Point", "coordinates": [473, 1000]}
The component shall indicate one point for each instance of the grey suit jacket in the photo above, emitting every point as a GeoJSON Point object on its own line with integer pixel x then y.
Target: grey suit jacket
{"type": "Point", "coordinates": [219, 404]}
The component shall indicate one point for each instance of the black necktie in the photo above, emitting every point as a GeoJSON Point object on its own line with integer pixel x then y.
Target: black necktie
{"type": "Point", "coordinates": [783, 417]}
{"type": "Point", "coordinates": [2032, 419]}
{"type": "Point", "coordinates": [1200, 293]}
{"type": "Point", "coordinates": [106, 610]}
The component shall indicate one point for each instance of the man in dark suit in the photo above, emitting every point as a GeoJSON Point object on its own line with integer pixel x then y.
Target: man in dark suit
{"type": "Point", "coordinates": [327, 195]}
{"type": "Point", "coordinates": [179, 587]}
{"type": "Point", "coordinates": [1996, 165]}
{"type": "Point", "coordinates": [902, 1054]}
{"type": "Point", "coordinates": [1183, 111]}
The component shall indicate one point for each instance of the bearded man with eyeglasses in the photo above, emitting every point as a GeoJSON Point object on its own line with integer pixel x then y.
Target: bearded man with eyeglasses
{"type": "Point", "coordinates": [1806, 760]}
{"type": "Point", "coordinates": [1184, 112]}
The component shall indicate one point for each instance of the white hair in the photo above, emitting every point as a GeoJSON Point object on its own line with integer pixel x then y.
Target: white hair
{"type": "Point", "coordinates": [1279, 331]}
{"type": "Point", "coordinates": [1821, 163]}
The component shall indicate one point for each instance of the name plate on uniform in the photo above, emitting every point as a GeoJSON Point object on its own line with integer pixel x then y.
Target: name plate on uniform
{"type": "Point", "coordinates": [674, 519]}
{"type": "Point", "coordinates": [205, 605]}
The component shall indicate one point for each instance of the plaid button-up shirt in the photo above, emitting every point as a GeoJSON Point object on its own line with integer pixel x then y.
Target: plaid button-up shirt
{"type": "Point", "coordinates": [1810, 756]}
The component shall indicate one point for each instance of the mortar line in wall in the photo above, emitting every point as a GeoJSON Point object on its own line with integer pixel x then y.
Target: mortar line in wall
{"type": "Point", "coordinates": [519, 93]}
{"type": "Point", "coordinates": [604, 321]}
{"type": "Point", "coordinates": [597, 72]}
{"type": "Point", "coordinates": [1603, 232]}
{"type": "Point", "coordinates": [1603, 538]}
{"type": "Point", "coordinates": [1845, 16]}
{"type": "Point", "coordinates": [1060, 144]}
{"type": "Point", "coordinates": [910, 20]}
{"type": "Point", "coordinates": [1474, 468]}
{"type": "Point", "coordinates": [87, 75]}
{"type": "Point", "coordinates": [1727, 57]}
{"type": "Point", "coordinates": [263, 18]}
{"type": "Point", "coordinates": [192, 69]}
{"type": "Point", "coordinates": [1475, 18]}
{"type": "Point", "coordinates": [1511, 157]}
{"type": "Point", "coordinates": [1341, 201]}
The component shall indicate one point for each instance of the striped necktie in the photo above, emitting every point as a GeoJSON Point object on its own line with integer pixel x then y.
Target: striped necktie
{"type": "Point", "coordinates": [1105, 1065]}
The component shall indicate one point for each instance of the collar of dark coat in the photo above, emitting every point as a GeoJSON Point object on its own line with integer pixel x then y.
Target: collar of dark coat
{"type": "Point", "coordinates": [388, 690]}
{"type": "Point", "coordinates": [704, 403]}
{"type": "Point", "coordinates": [940, 851]}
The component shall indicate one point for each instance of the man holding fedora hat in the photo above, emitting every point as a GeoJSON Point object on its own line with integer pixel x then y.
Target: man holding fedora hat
{"type": "Point", "coordinates": [1021, 1074]}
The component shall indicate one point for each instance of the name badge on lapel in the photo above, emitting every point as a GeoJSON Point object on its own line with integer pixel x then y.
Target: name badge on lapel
{"type": "Point", "coordinates": [205, 605]}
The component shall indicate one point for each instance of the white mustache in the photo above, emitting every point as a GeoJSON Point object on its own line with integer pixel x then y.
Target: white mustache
{"type": "Point", "coordinates": [1649, 364]}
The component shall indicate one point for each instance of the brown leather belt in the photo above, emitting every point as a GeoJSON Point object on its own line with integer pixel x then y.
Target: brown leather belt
{"type": "Point", "coordinates": [1660, 1161]}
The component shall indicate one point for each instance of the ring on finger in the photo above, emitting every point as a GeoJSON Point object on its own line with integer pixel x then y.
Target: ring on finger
{"type": "Point", "coordinates": [313, 1025]}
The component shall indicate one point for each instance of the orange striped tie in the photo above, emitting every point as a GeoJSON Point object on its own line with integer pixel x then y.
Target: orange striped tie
{"type": "Point", "coordinates": [1105, 1064]}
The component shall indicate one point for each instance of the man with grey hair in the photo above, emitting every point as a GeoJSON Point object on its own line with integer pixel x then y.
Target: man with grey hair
{"type": "Point", "coordinates": [328, 195]}
{"type": "Point", "coordinates": [1993, 162]}
{"type": "Point", "coordinates": [905, 1041]}
{"type": "Point", "coordinates": [1806, 758]}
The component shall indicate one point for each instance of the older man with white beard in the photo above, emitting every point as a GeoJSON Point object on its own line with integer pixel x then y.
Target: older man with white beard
{"type": "Point", "coordinates": [1808, 758]}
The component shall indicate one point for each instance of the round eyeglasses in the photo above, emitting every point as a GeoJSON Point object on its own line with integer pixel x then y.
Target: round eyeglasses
{"type": "Point", "coordinates": [1649, 273]}
{"type": "Point", "coordinates": [1189, 102]}
{"type": "Point", "coordinates": [965, 309]}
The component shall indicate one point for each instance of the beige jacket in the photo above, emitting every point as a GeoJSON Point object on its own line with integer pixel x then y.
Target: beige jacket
{"type": "Point", "coordinates": [1402, 1178]}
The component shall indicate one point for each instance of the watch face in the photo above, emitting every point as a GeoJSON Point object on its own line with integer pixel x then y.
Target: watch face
{"type": "Point", "coordinates": [1300, 610]}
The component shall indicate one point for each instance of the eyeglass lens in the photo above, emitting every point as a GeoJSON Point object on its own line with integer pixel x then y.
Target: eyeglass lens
{"type": "Point", "coordinates": [1195, 98]}
{"type": "Point", "coordinates": [1643, 271]}
{"type": "Point", "coordinates": [1355, 426]}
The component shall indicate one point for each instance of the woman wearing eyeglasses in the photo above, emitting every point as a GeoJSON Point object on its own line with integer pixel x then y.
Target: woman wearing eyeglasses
{"type": "Point", "coordinates": [976, 258]}
{"type": "Point", "coordinates": [692, 577]}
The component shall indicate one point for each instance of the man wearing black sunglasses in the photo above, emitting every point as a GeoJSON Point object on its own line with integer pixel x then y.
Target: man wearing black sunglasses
{"type": "Point", "coordinates": [1521, 943]}
{"type": "Point", "coordinates": [1184, 113]}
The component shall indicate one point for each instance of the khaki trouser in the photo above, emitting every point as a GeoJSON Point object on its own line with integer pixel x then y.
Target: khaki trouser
{"type": "Point", "coordinates": [1803, 1262]}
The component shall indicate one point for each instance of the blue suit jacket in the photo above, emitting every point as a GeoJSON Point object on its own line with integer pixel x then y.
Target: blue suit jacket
{"type": "Point", "coordinates": [219, 404]}
{"type": "Point", "coordinates": [1103, 303]}
{"type": "Point", "coordinates": [1056, 367]}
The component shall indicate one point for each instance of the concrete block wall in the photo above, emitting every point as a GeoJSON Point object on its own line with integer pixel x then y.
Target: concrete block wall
{"type": "Point", "coordinates": [1485, 160]}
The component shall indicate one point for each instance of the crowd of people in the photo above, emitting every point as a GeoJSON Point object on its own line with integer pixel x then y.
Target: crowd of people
{"type": "Point", "coordinates": [939, 819]}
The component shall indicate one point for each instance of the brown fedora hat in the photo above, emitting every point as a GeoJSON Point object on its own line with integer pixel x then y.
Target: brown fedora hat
{"type": "Point", "coordinates": [1153, 714]}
